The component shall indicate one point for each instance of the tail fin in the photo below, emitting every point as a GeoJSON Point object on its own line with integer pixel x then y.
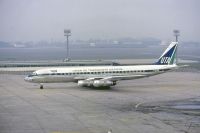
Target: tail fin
{"type": "Point", "coordinates": [169, 56]}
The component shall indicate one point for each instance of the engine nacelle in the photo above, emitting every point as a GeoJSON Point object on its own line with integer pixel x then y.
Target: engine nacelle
{"type": "Point", "coordinates": [103, 83]}
{"type": "Point", "coordinates": [96, 83]}
{"type": "Point", "coordinates": [85, 83]}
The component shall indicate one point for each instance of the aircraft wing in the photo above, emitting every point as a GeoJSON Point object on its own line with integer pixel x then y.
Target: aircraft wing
{"type": "Point", "coordinates": [111, 78]}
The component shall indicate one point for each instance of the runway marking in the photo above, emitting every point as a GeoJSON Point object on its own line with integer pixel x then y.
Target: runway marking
{"type": "Point", "coordinates": [137, 105]}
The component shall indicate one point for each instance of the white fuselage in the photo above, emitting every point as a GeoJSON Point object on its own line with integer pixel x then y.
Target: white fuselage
{"type": "Point", "coordinates": [74, 74]}
{"type": "Point", "coordinates": [99, 76]}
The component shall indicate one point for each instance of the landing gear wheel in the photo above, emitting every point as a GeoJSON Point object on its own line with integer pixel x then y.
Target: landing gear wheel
{"type": "Point", "coordinates": [41, 86]}
{"type": "Point", "coordinates": [114, 82]}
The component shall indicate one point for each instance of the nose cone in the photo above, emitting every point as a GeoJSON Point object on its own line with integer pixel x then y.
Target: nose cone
{"type": "Point", "coordinates": [28, 79]}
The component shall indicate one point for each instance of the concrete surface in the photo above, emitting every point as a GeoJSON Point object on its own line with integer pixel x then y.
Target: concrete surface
{"type": "Point", "coordinates": [66, 108]}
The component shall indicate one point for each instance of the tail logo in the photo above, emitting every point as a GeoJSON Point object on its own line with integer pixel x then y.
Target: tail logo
{"type": "Point", "coordinates": [165, 60]}
{"type": "Point", "coordinates": [169, 55]}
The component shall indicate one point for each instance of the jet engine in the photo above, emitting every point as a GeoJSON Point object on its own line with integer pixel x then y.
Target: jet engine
{"type": "Point", "coordinates": [103, 83]}
{"type": "Point", "coordinates": [85, 83]}
{"type": "Point", "coordinates": [96, 83]}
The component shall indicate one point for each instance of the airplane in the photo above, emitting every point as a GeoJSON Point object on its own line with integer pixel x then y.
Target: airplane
{"type": "Point", "coordinates": [106, 76]}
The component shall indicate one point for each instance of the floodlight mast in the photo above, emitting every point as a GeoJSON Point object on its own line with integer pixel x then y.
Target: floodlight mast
{"type": "Point", "coordinates": [176, 34]}
{"type": "Point", "coordinates": [67, 33]}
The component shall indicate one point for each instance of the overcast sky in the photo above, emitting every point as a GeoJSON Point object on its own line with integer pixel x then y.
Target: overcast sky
{"type": "Point", "coordinates": [35, 20]}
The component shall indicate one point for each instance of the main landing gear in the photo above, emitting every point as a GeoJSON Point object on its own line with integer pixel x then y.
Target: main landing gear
{"type": "Point", "coordinates": [41, 86]}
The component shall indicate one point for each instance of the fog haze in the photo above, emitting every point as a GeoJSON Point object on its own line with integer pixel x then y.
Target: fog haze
{"type": "Point", "coordinates": [35, 20]}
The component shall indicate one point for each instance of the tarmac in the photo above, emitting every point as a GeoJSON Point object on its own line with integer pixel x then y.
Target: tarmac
{"type": "Point", "coordinates": [148, 105]}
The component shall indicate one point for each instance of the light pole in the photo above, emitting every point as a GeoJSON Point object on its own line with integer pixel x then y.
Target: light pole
{"type": "Point", "coordinates": [67, 33]}
{"type": "Point", "coordinates": [176, 34]}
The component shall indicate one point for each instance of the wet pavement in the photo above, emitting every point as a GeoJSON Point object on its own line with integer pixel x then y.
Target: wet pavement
{"type": "Point", "coordinates": [167, 103]}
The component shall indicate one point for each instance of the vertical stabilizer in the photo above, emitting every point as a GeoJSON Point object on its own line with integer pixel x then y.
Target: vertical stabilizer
{"type": "Point", "coordinates": [169, 56]}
